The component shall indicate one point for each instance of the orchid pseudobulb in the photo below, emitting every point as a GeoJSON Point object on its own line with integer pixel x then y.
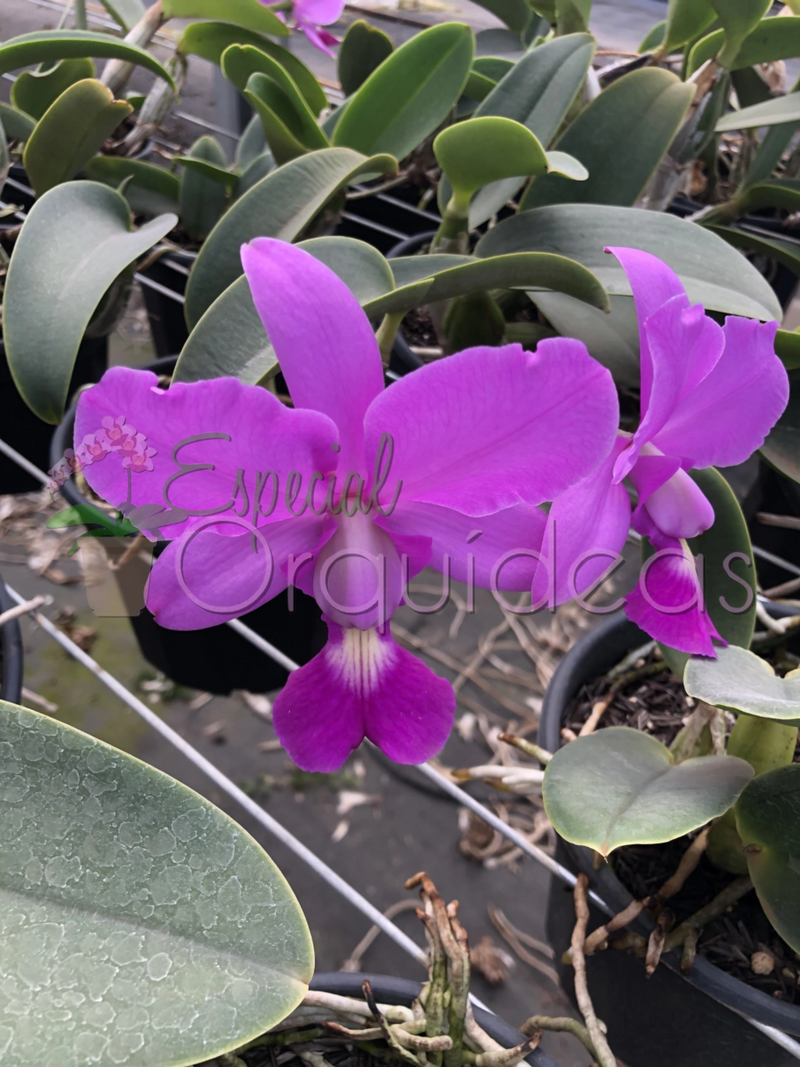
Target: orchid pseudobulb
{"type": "Point", "coordinates": [351, 493]}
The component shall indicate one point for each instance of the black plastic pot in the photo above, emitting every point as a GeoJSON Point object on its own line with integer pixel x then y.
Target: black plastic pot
{"type": "Point", "coordinates": [216, 659]}
{"type": "Point", "coordinates": [401, 352]}
{"type": "Point", "coordinates": [774, 494]}
{"type": "Point", "coordinates": [163, 286]}
{"type": "Point", "coordinates": [402, 991]}
{"type": "Point", "coordinates": [10, 653]}
{"type": "Point", "coordinates": [26, 432]}
{"type": "Point", "coordinates": [668, 1020]}
{"type": "Point", "coordinates": [386, 218]}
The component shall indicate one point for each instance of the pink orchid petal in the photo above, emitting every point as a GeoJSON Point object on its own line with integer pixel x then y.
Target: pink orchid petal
{"type": "Point", "coordinates": [476, 550]}
{"type": "Point", "coordinates": [318, 12]}
{"type": "Point", "coordinates": [727, 416]}
{"type": "Point", "coordinates": [653, 283]}
{"type": "Point", "coordinates": [586, 531]}
{"type": "Point", "coordinates": [673, 506]}
{"type": "Point", "coordinates": [264, 436]}
{"type": "Point", "coordinates": [319, 38]}
{"type": "Point", "coordinates": [357, 578]}
{"type": "Point", "coordinates": [667, 602]}
{"type": "Point", "coordinates": [362, 684]}
{"type": "Point", "coordinates": [518, 427]}
{"type": "Point", "coordinates": [207, 578]}
{"type": "Point", "coordinates": [324, 342]}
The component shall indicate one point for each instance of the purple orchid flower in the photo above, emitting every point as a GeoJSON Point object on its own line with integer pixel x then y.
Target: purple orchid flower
{"type": "Point", "coordinates": [709, 396]}
{"type": "Point", "coordinates": [445, 468]}
{"type": "Point", "coordinates": [311, 16]}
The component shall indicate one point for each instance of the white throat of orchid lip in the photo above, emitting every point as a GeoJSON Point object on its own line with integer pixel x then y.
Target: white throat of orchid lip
{"type": "Point", "coordinates": [361, 658]}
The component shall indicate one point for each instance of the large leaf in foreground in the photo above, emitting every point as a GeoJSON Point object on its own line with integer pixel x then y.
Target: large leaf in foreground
{"type": "Point", "coordinates": [729, 577]}
{"type": "Point", "coordinates": [738, 19]}
{"type": "Point", "coordinates": [740, 680]}
{"type": "Point", "coordinates": [362, 50]}
{"type": "Point", "coordinates": [48, 46]}
{"type": "Point", "coordinates": [620, 138]}
{"type": "Point", "coordinates": [131, 909]}
{"type": "Point", "coordinates": [621, 787]}
{"type": "Point", "coordinates": [768, 821]}
{"type": "Point", "coordinates": [280, 205]}
{"type": "Point", "coordinates": [76, 241]}
{"type": "Point", "coordinates": [230, 338]}
{"type": "Point", "coordinates": [150, 190]}
{"type": "Point", "coordinates": [34, 91]}
{"type": "Point", "coordinates": [410, 93]}
{"type": "Point", "coordinates": [69, 133]}
{"type": "Point", "coordinates": [782, 448]}
{"type": "Point", "coordinates": [714, 274]}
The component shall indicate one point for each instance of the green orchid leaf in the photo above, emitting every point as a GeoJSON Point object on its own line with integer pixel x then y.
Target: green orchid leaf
{"type": "Point", "coordinates": [498, 44]}
{"type": "Point", "coordinates": [212, 39]}
{"type": "Point", "coordinates": [468, 275]}
{"type": "Point", "coordinates": [773, 39]}
{"type": "Point", "coordinates": [260, 167]}
{"type": "Point", "coordinates": [738, 18]}
{"type": "Point", "coordinates": [493, 67]}
{"type": "Point", "coordinates": [230, 338]}
{"type": "Point", "coordinates": [653, 39]}
{"type": "Point", "coordinates": [280, 205]}
{"type": "Point", "coordinates": [566, 165]}
{"type": "Point", "coordinates": [572, 16]}
{"type": "Point", "coordinates": [516, 14]}
{"type": "Point", "coordinates": [739, 680]}
{"type": "Point", "coordinates": [77, 239]}
{"type": "Point", "coordinates": [770, 113]}
{"type": "Point", "coordinates": [202, 195]}
{"type": "Point", "coordinates": [686, 20]}
{"type": "Point", "coordinates": [478, 86]}
{"type": "Point", "coordinates": [787, 348]}
{"type": "Point", "coordinates": [215, 172]}
{"type": "Point", "coordinates": [770, 152]}
{"type": "Point", "coordinates": [362, 51]}
{"type": "Point", "coordinates": [768, 821]}
{"type": "Point", "coordinates": [538, 92]}
{"type": "Point", "coordinates": [251, 14]}
{"type": "Point", "coordinates": [488, 149]}
{"type": "Point", "coordinates": [48, 46]}
{"type": "Point", "coordinates": [17, 125]}
{"type": "Point", "coordinates": [164, 926]}
{"type": "Point", "coordinates": [410, 94]}
{"type": "Point", "coordinates": [149, 190]}
{"type": "Point", "coordinates": [635, 120]}
{"type": "Point", "coordinates": [782, 447]}
{"type": "Point", "coordinates": [126, 12]}
{"type": "Point", "coordinates": [5, 156]}
{"type": "Point", "coordinates": [782, 249]}
{"type": "Point", "coordinates": [34, 91]}
{"type": "Point", "coordinates": [69, 133]}
{"type": "Point", "coordinates": [729, 579]}
{"type": "Point", "coordinates": [250, 145]}
{"type": "Point", "coordinates": [713, 273]}
{"type": "Point", "coordinates": [621, 787]}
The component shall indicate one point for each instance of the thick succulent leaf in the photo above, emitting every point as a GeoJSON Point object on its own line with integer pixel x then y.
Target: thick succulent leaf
{"type": "Point", "coordinates": [77, 239]}
{"type": "Point", "coordinates": [362, 50]}
{"type": "Point", "coordinates": [686, 20]}
{"type": "Point", "coordinates": [280, 205]}
{"type": "Point", "coordinates": [48, 46]}
{"type": "Point", "coordinates": [538, 91]}
{"type": "Point", "coordinates": [653, 39]}
{"type": "Point", "coordinates": [69, 133]}
{"type": "Point", "coordinates": [230, 338]}
{"type": "Point", "coordinates": [522, 271]}
{"type": "Point", "coordinates": [163, 930]}
{"type": "Point", "coordinates": [787, 348]}
{"type": "Point", "coordinates": [729, 577]}
{"type": "Point", "coordinates": [770, 113]}
{"type": "Point", "coordinates": [203, 196]}
{"type": "Point", "coordinates": [251, 14]}
{"type": "Point", "coordinates": [738, 18]}
{"type": "Point", "coordinates": [17, 125]}
{"type": "Point", "coordinates": [742, 681]}
{"type": "Point", "coordinates": [714, 274]}
{"type": "Point", "coordinates": [487, 149]}
{"type": "Point", "coordinates": [212, 39]}
{"type": "Point", "coordinates": [634, 120]}
{"type": "Point", "coordinates": [149, 190]}
{"type": "Point", "coordinates": [782, 448]}
{"type": "Point", "coordinates": [250, 145]}
{"type": "Point", "coordinates": [126, 12]}
{"type": "Point", "coordinates": [516, 14]}
{"type": "Point", "coordinates": [768, 821]}
{"type": "Point", "coordinates": [478, 87]}
{"type": "Point", "coordinates": [782, 250]}
{"type": "Point", "coordinates": [773, 39]}
{"type": "Point", "coordinates": [216, 172]}
{"type": "Point", "coordinates": [498, 43]}
{"type": "Point", "coordinates": [410, 94]}
{"type": "Point", "coordinates": [621, 787]}
{"type": "Point", "coordinates": [260, 167]}
{"type": "Point", "coordinates": [778, 192]}
{"type": "Point", "coordinates": [34, 91]}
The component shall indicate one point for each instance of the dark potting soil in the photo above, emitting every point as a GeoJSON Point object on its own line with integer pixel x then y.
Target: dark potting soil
{"type": "Point", "coordinates": [336, 1053]}
{"type": "Point", "coordinates": [417, 328]}
{"type": "Point", "coordinates": [658, 705]}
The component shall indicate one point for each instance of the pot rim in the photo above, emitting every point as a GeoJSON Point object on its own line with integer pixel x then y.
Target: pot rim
{"type": "Point", "coordinates": [11, 641]}
{"type": "Point", "coordinates": [598, 650]}
{"type": "Point", "coordinates": [391, 990]}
